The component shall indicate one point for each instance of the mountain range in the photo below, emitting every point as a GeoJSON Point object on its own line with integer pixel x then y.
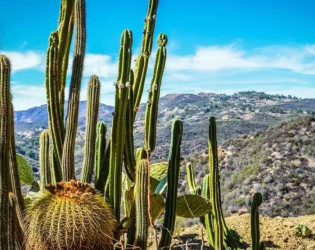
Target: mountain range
{"type": "Point", "coordinates": [246, 164]}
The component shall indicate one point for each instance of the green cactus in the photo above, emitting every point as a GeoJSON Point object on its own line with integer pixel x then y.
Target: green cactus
{"type": "Point", "coordinates": [118, 125]}
{"type": "Point", "coordinates": [154, 94]}
{"type": "Point", "coordinates": [93, 101]}
{"type": "Point", "coordinates": [146, 48]}
{"type": "Point", "coordinates": [129, 157]}
{"type": "Point", "coordinates": [141, 201]}
{"type": "Point", "coordinates": [223, 236]}
{"type": "Point", "coordinates": [207, 220]}
{"type": "Point", "coordinates": [15, 180]}
{"type": "Point", "coordinates": [5, 102]}
{"type": "Point", "coordinates": [67, 163]}
{"type": "Point", "coordinates": [44, 163]}
{"type": "Point", "coordinates": [214, 183]}
{"type": "Point", "coordinates": [190, 170]}
{"type": "Point", "coordinates": [192, 206]}
{"type": "Point", "coordinates": [70, 215]}
{"type": "Point", "coordinates": [254, 223]}
{"type": "Point", "coordinates": [52, 91]}
{"type": "Point", "coordinates": [173, 172]}
{"type": "Point", "coordinates": [101, 168]}
{"type": "Point", "coordinates": [65, 31]}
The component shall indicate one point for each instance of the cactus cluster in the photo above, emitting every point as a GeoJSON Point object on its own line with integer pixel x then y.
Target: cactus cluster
{"type": "Point", "coordinates": [71, 214]}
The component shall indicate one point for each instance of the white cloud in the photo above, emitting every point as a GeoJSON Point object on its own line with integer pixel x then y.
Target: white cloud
{"type": "Point", "coordinates": [215, 58]}
{"type": "Point", "coordinates": [215, 68]}
{"type": "Point", "coordinates": [100, 65]}
{"type": "Point", "coordinates": [25, 60]}
{"type": "Point", "coordinates": [26, 96]}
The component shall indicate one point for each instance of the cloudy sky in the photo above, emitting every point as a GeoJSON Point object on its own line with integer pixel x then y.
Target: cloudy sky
{"type": "Point", "coordinates": [221, 46]}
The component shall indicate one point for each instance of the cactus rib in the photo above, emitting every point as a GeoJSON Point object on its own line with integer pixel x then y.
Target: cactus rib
{"type": "Point", "coordinates": [172, 176]}
{"type": "Point", "coordinates": [90, 128]}
{"type": "Point", "coordinates": [67, 163]}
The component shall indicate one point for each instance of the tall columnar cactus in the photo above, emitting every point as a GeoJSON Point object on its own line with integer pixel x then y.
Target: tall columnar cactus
{"type": "Point", "coordinates": [5, 102]}
{"type": "Point", "coordinates": [223, 236]}
{"type": "Point", "coordinates": [101, 169]}
{"type": "Point", "coordinates": [44, 163]}
{"type": "Point", "coordinates": [207, 220]}
{"type": "Point", "coordinates": [67, 163]}
{"type": "Point", "coordinates": [214, 184]}
{"type": "Point", "coordinates": [172, 180]}
{"type": "Point", "coordinates": [93, 101]}
{"type": "Point", "coordinates": [154, 94]}
{"type": "Point", "coordinates": [254, 223]}
{"type": "Point", "coordinates": [141, 201]}
{"type": "Point", "coordinates": [52, 90]}
{"type": "Point", "coordinates": [129, 157]}
{"type": "Point", "coordinates": [118, 126]}
{"type": "Point", "coordinates": [65, 31]}
{"type": "Point", "coordinates": [191, 177]}
{"type": "Point", "coordinates": [146, 48]}
{"type": "Point", "coordinates": [15, 180]}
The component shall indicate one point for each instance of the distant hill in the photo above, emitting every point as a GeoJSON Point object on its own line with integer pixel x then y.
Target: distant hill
{"type": "Point", "coordinates": [278, 162]}
{"type": "Point", "coordinates": [238, 114]}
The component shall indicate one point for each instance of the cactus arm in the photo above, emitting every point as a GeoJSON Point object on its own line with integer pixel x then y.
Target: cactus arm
{"type": "Point", "coordinates": [100, 150]}
{"type": "Point", "coordinates": [90, 131]}
{"type": "Point", "coordinates": [52, 89]}
{"type": "Point", "coordinates": [154, 94]}
{"type": "Point", "coordinates": [129, 157]}
{"type": "Point", "coordinates": [15, 180]}
{"type": "Point", "coordinates": [190, 170]}
{"type": "Point", "coordinates": [141, 201]}
{"type": "Point", "coordinates": [207, 220]}
{"type": "Point", "coordinates": [4, 149]}
{"type": "Point", "coordinates": [214, 182]}
{"type": "Point", "coordinates": [173, 172]}
{"type": "Point", "coordinates": [146, 48]}
{"type": "Point", "coordinates": [44, 163]}
{"type": "Point", "coordinates": [65, 31]}
{"type": "Point", "coordinates": [254, 221]}
{"type": "Point", "coordinates": [119, 123]}
{"type": "Point", "coordinates": [67, 163]}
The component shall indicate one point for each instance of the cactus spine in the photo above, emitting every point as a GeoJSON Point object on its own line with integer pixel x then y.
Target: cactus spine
{"type": "Point", "coordinates": [67, 163]}
{"type": "Point", "coordinates": [146, 48]}
{"type": "Point", "coordinates": [52, 89]}
{"type": "Point", "coordinates": [101, 169]}
{"type": "Point", "coordinates": [141, 201]}
{"type": "Point", "coordinates": [118, 127]}
{"type": "Point", "coordinates": [44, 163]}
{"type": "Point", "coordinates": [172, 180]}
{"type": "Point", "coordinates": [254, 223]}
{"type": "Point", "coordinates": [90, 129]}
{"type": "Point", "coordinates": [154, 94]}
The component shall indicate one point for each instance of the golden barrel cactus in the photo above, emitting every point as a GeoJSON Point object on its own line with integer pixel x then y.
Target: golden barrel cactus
{"type": "Point", "coordinates": [70, 215]}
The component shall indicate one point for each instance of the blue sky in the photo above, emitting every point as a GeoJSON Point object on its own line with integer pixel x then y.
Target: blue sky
{"type": "Point", "coordinates": [221, 46]}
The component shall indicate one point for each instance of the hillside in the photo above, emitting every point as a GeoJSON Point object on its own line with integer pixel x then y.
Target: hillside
{"type": "Point", "coordinates": [278, 162]}
{"type": "Point", "coordinates": [237, 114]}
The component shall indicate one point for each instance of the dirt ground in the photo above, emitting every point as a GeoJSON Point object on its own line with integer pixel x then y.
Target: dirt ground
{"type": "Point", "coordinates": [279, 233]}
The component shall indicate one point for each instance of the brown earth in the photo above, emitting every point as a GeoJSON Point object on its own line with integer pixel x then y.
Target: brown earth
{"type": "Point", "coordinates": [279, 233]}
